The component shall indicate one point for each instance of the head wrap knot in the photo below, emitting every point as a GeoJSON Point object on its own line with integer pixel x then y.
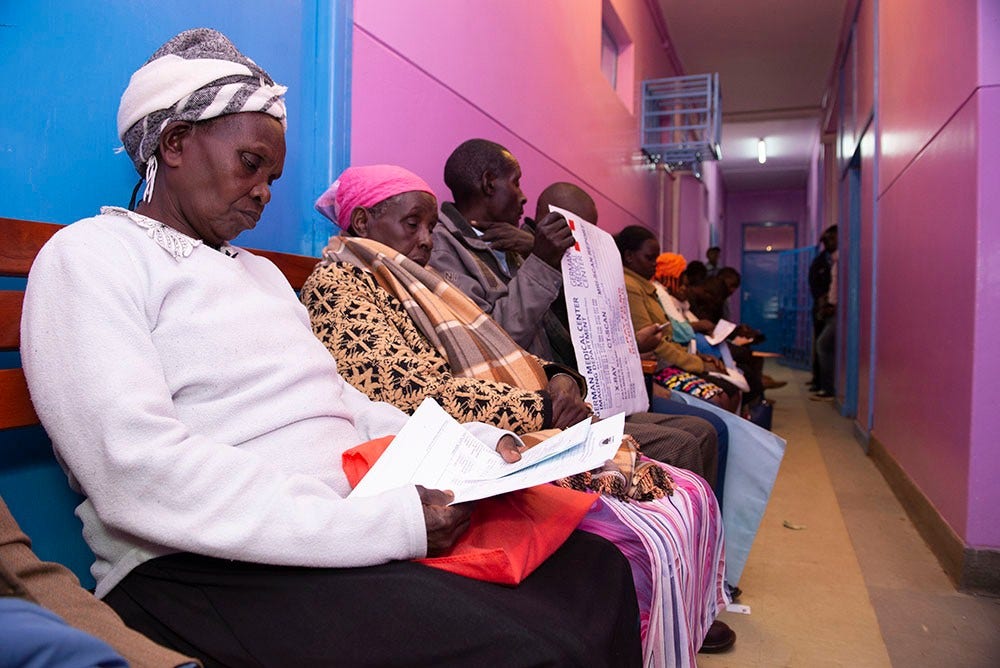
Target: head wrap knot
{"type": "Point", "coordinates": [195, 76]}
{"type": "Point", "coordinates": [365, 187]}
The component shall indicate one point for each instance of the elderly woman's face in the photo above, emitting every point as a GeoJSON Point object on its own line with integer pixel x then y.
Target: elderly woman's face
{"type": "Point", "coordinates": [404, 223]}
{"type": "Point", "coordinates": [223, 180]}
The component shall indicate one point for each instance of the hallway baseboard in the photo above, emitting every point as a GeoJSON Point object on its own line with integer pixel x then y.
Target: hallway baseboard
{"type": "Point", "coordinates": [972, 570]}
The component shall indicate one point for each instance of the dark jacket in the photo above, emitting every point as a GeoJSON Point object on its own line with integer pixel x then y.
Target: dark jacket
{"type": "Point", "coordinates": [518, 300]}
{"type": "Point", "coordinates": [819, 275]}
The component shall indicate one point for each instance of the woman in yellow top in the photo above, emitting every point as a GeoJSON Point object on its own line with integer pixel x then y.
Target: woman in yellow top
{"type": "Point", "coordinates": [677, 369]}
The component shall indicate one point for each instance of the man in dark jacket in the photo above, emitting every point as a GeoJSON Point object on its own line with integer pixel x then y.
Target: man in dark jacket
{"type": "Point", "coordinates": [819, 287]}
{"type": "Point", "coordinates": [476, 243]}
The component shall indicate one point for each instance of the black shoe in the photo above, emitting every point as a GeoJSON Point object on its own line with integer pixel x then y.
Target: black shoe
{"type": "Point", "coordinates": [718, 639]}
{"type": "Point", "coordinates": [822, 395]}
{"type": "Point", "coordinates": [734, 592]}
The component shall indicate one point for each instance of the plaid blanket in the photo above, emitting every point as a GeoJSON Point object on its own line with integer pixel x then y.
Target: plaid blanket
{"type": "Point", "coordinates": [472, 342]}
{"type": "Point", "coordinates": [477, 347]}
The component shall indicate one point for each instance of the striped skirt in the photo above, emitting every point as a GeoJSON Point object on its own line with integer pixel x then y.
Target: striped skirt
{"type": "Point", "coordinates": [675, 546]}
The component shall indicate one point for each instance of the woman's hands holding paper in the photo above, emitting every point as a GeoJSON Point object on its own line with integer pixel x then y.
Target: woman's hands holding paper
{"type": "Point", "coordinates": [444, 523]}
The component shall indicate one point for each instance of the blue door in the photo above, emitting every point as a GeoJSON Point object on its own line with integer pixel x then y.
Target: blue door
{"type": "Point", "coordinates": [761, 288]}
{"type": "Point", "coordinates": [850, 318]}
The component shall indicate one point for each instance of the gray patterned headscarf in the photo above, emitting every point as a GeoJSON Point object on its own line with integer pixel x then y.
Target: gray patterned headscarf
{"type": "Point", "coordinates": [195, 76]}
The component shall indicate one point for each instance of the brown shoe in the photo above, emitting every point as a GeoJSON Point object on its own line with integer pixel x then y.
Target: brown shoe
{"type": "Point", "coordinates": [770, 383]}
{"type": "Point", "coordinates": [718, 639]}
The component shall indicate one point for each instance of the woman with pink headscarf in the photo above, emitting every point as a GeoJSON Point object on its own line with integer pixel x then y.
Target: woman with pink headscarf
{"type": "Point", "coordinates": [400, 332]}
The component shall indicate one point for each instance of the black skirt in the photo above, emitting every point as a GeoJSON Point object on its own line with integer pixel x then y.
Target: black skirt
{"type": "Point", "coordinates": [577, 609]}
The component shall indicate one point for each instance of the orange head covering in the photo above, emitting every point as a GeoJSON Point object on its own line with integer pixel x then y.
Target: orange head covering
{"type": "Point", "coordinates": [668, 268]}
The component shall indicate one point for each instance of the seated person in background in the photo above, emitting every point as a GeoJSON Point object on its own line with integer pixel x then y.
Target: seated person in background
{"type": "Point", "coordinates": [400, 333]}
{"type": "Point", "coordinates": [671, 285]}
{"type": "Point", "coordinates": [709, 299]}
{"type": "Point", "coordinates": [188, 400]}
{"type": "Point", "coordinates": [696, 273]}
{"type": "Point", "coordinates": [31, 635]}
{"type": "Point", "coordinates": [403, 356]}
{"type": "Point", "coordinates": [571, 197]}
{"type": "Point", "coordinates": [556, 324]}
{"type": "Point", "coordinates": [678, 369]}
{"type": "Point", "coordinates": [484, 179]}
{"type": "Point", "coordinates": [478, 248]}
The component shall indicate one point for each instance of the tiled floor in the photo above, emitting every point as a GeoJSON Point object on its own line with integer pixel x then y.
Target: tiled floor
{"type": "Point", "coordinates": [857, 586]}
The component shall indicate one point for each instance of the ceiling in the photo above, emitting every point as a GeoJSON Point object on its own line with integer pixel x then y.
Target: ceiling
{"type": "Point", "coordinates": [774, 59]}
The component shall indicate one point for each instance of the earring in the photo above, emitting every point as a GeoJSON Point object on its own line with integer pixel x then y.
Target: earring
{"type": "Point", "coordinates": [147, 194]}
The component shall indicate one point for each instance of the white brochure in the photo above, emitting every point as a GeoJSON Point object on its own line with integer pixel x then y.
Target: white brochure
{"type": "Point", "coordinates": [435, 451]}
{"type": "Point", "coordinates": [599, 321]}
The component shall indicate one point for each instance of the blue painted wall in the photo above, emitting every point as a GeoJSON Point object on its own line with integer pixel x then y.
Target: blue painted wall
{"type": "Point", "coordinates": [65, 65]}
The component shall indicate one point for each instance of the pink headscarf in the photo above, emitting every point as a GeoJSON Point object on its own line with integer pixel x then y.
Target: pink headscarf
{"type": "Point", "coordinates": [365, 186]}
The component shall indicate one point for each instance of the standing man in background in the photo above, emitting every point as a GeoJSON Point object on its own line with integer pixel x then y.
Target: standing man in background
{"type": "Point", "coordinates": [823, 286]}
{"type": "Point", "coordinates": [712, 254]}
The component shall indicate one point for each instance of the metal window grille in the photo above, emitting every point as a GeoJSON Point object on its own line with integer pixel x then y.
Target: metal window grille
{"type": "Point", "coordinates": [682, 120]}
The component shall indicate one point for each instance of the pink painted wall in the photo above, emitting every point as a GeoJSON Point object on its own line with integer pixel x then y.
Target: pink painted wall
{"type": "Point", "coordinates": [527, 74]}
{"type": "Point", "coordinates": [714, 198]}
{"type": "Point", "coordinates": [989, 42]}
{"type": "Point", "coordinates": [926, 256]}
{"type": "Point", "coordinates": [693, 219]}
{"type": "Point", "coordinates": [928, 54]}
{"type": "Point", "coordinates": [984, 456]}
{"type": "Point", "coordinates": [865, 36]}
{"type": "Point", "coordinates": [938, 204]}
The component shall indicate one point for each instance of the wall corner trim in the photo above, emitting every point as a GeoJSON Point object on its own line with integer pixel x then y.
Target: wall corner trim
{"type": "Point", "coordinates": [972, 570]}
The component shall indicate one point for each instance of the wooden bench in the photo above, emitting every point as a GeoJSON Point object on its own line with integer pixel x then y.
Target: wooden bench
{"type": "Point", "coordinates": [20, 476]}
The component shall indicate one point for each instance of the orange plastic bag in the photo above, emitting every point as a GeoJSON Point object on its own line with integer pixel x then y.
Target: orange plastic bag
{"type": "Point", "coordinates": [509, 536]}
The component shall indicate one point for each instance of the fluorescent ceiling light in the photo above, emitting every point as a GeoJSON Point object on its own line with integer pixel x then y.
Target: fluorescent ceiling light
{"type": "Point", "coordinates": [761, 152]}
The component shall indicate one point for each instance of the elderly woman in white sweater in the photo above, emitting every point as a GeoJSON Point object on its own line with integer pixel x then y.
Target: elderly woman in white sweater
{"type": "Point", "coordinates": [190, 403]}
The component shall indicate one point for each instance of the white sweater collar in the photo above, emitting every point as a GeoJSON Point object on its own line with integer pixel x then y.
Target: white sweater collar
{"type": "Point", "coordinates": [178, 244]}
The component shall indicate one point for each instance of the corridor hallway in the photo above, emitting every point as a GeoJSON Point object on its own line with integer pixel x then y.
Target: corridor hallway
{"type": "Point", "coordinates": [857, 585]}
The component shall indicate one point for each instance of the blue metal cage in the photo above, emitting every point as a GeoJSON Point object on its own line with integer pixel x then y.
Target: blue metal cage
{"type": "Point", "coordinates": [682, 120]}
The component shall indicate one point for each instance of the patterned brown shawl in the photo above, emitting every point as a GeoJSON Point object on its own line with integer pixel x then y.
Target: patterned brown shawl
{"type": "Point", "coordinates": [477, 347]}
{"type": "Point", "coordinates": [472, 342]}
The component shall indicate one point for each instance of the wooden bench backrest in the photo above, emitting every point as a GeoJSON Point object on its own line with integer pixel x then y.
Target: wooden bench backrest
{"type": "Point", "coordinates": [20, 241]}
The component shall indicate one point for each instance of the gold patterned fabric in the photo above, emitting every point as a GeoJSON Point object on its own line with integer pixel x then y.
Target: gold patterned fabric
{"type": "Point", "coordinates": [626, 477]}
{"type": "Point", "coordinates": [380, 351]}
{"type": "Point", "coordinates": [472, 342]}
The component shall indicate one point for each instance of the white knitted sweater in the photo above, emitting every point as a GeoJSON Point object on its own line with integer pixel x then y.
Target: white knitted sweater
{"type": "Point", "coordinates": [188, 400]}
